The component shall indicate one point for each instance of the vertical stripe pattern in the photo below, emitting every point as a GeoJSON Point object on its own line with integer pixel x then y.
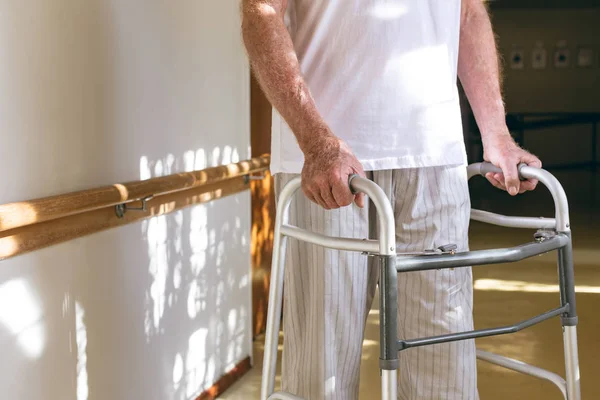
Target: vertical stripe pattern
{"type": "Point", "coordinates": [328, 293]}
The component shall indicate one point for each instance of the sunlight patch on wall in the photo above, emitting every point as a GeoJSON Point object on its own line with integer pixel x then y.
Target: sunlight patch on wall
{"type": "Point", "coordinates": [198, 238]}
{"type": "Point", "coordinates": [8, 247]}
{"type": "Point", "coordinates": [158, 168]}
{"type": "Point", "coordinates": [188, 161]}
{"type": "Point", "coordinates": [177, 371]}
{"type": "Point", "coordinates": [157, 235]}
{"type": "Point", "coordinates": [66, 306]}
{"type": "Point", "coordinates": [177, 275]}
{"type": "Point", "coordinates": [215, 157]}
{"type": "Point", "coordinates": [220, 294]}
{"type": "Point", "coordinates": [226, 155]}
{"type": "Point", "coordinates": [232, 322]}
{"type": "Point", "coordinates": [243, 281]}
{"type": "Point", "coordinates": [145, 172]}
{"type": "Point", "coordinates": [161, 167]}
{"type": "Point", "coordinates": [197, 367]}
{"type": "Point", "coordinates": [194, 300]}
{"type": "Point", "coordinates": [21, 313]}
{"type": "Point", "coordinates": [178, 239]}
{"type": "Point", "coordinates": [200, 161]}
{"type": "Point", "coordinates": [81, 339]}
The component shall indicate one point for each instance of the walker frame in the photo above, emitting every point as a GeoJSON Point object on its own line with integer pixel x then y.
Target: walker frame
{"type": "Point", "coordinates": [553, 234]}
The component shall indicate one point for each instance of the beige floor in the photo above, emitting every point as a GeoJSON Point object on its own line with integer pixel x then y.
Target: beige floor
{"type": "Point", "coordinates": [509, 293]}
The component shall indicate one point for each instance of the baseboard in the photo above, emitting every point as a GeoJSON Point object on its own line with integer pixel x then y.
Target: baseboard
{"type": "Point", "coordinates": [226, 380]}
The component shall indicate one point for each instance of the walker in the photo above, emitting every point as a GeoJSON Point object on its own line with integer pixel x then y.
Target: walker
{"type": "Point", "coordinates": [552, 234]}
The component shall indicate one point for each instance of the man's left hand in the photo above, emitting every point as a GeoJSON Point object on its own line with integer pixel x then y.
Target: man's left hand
{"type": "Point", "coordinates": [504, 153]}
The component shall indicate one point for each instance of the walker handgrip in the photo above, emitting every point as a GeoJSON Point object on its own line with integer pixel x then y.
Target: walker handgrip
{"type": "Point", "coordinates": [561, 204]}
{"type": "Point", "coordinates": [486, 167]}
{"type": "Point", "coordinates": [385, 214]}
{"type": "Point", "coordinates": [352, 190]}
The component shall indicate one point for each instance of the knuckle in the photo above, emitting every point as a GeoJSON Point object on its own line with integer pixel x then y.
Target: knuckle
{"type": "Point", "coordinates": [315, 179]}
{"type": "Point", "coordinates": [322, 182]}
{"type": "Point", "coordinates": [345, 202]}
{"type": "Point", "coordinates": [335, 175]}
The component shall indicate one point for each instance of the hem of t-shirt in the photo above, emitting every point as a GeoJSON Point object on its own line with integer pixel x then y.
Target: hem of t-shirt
{"type": "Point", "coordinates": [379, 164]}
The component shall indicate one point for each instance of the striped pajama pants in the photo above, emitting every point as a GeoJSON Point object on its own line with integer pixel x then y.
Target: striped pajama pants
{"type": "Point", "coordinates": [328, 293]}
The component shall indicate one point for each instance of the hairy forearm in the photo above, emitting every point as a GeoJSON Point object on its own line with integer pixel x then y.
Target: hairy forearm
{"type": "Point", "coordinates": [479, 71]}
{"type": "Point", "coordinates": [276, 67]}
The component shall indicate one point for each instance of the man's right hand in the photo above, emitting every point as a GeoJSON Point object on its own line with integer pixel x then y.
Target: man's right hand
{"type": "Point", "coordinates": [328, 166]}
{"type": "Point", "coordinates": [328, 161]}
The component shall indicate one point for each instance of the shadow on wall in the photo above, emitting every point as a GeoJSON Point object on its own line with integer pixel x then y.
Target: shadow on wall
{"type": "Point", "coordinates": [161, 316]}
{"type": "Point", "coordinates": [197, 291]}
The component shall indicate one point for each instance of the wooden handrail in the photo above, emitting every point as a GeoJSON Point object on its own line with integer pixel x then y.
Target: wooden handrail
{"type": "Point", "coordinates": [58, 219]}
{"type": "Point", "coordinates": [20, 214]}
{"type": "Point", "coordinates": [34, 237]}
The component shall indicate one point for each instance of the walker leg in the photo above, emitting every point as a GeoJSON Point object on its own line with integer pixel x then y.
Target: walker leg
{"type": "Point", "coordinates": [388, 315]}
{"type": "Point", "coordinates": [389, 384]}
{"type": "Point", "coordinates": [572, 363]}
{"type": "Point", "coordinates": [569, 320]}
{"type": "Point", "coordinates": [524, 368]}
{"type": "Point", "coordinates": [273, 315]}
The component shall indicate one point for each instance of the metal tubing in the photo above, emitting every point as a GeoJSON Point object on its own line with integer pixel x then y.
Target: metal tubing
{"type": "Point", "coordinates": [480, 257]}
{"type": "Point", "coordinates": [386, 247]}
{"type": "Point", "coordinates": [273, 317]}
{"type": "Point", "coordinates": [387, 229]}
{"type": "Point", "coordinates": [572, 363]}
{"type": "Point", "coordinates": [348, 244]}
{"type": "Point", "coordinates": [566, 276]}
{"type": "Point", "coordinates": [524, 368]}
{"type": "Point", "coordinates": [512, 222]}
{"type": "Point", "coordinates": [389, 385]}
{"type": "Point", "coordinates": [385, 214]}
{"type": "Point", "coordinates": [569, 319]}
{"type": "Point", "coordinates": [453, 337]}
{"type": "Point", "coordinates": [388, 325]}
{"type": "Point", "coordinates": [276, 291]}
{"type": "Point", "coordinates": [561, 205]}
{"type": "Point", "coordinates": [390, 264]}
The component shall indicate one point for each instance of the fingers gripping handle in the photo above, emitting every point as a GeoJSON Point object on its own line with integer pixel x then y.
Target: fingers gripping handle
{"type": "Point", "coordinates": [385, 215]}
{"type": "Point", "coordinates": [486, 168]}
{"type": "Point", "coordinates": [561, 204]}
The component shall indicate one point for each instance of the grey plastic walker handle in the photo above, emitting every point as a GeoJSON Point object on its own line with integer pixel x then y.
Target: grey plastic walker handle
{"type": "Point", "coordinates": [561, 205]}
{"type": "Point", "coordinates": [350, 178]}
{"type": "Point", "coordinates": [488, 167]}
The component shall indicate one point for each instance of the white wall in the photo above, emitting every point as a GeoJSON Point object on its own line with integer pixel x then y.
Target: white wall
{"type": "Point", "coordinates": [103, 91]}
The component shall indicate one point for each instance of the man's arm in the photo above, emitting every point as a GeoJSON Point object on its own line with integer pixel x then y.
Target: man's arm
{"type": "Point", "coordinates": [328, 161]}
{"type": "Point", "coordinates": [480, 75]}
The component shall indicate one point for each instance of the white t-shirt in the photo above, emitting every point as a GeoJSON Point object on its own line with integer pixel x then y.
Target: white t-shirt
{"type": "Point", "coordinates": [383, 74]}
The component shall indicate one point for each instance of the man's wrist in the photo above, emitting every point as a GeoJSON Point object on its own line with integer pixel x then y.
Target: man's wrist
{"type": "Point", "coordinates": [501, 136]}
{"type": "Point", "coordinates": [316, 138]}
